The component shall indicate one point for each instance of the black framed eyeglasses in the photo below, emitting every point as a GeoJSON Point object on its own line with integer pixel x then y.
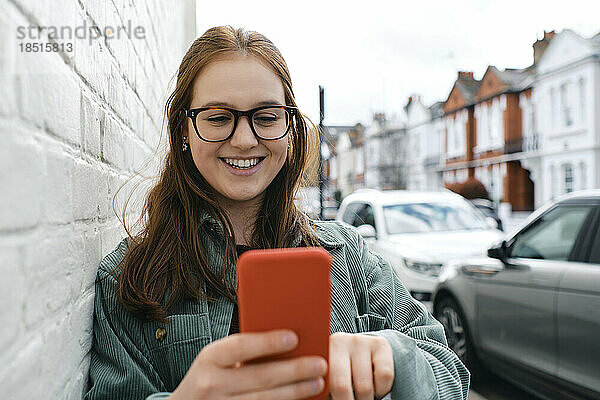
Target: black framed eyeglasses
{"type": "Point", "coordinates": [217, 124]}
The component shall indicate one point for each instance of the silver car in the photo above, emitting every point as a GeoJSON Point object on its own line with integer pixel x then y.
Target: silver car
{"type": "Point", "coordinates": [418, 231]}
{"type": "Point", "coordinates": [530, 310]}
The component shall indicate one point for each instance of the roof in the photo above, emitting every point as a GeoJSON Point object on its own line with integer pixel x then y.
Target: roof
{"type": "Point", "coordinates": [389, 197]}
{"type": "Point", "coordinates": [436, 109]}
{"type": "Point", "coordinates": [468, 88]}
{"type": "Point", "coordinates": [514, 78]}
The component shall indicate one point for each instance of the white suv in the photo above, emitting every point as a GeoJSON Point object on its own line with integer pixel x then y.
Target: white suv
{"type": "Point", "coordinates": [418, 232]}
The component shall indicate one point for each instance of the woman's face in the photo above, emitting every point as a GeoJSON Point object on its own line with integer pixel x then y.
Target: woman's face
{"type": "Point", "coordinates": [242, 83]}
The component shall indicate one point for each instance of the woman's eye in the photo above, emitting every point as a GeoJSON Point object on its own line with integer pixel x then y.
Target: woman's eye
{"type": "Point", "coordinates": [265, 118]}
{"type": "Point", "coordinates": [219, 119]}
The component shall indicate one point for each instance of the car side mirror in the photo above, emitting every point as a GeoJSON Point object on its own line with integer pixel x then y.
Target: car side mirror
{"type": "Point", "coordinates": [491, 222]}
{"type": "Point", "coordinates": [498, 251]}
{"type": "Point", "coordinates": [367, 231]}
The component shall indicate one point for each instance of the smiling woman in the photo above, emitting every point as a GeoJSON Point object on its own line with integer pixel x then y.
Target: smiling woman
{"type": "Point", "coordinates": [240, 82]}
{"type": "Point", "coordinates": [165, 321]}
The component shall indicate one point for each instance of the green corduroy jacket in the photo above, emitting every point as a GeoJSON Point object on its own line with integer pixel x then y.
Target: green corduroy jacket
{"type": "Point", "coordinates": [129, 360]}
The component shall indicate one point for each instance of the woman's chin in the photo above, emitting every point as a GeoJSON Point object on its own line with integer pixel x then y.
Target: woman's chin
{"type": "Point", "coordinates": [236, 196]}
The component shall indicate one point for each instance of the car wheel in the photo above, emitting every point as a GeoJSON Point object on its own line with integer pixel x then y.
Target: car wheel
{"type": "Point", "coordinates": [459, 340]}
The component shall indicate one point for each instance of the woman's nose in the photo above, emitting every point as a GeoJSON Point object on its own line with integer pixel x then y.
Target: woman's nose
{"type": "Point", "coordinates": [243, 137]}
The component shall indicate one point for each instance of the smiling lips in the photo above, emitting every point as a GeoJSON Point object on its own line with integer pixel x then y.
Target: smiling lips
{"type": "Point", "coordinates": [242, 166]}
{"type": "Point", "coordinates": [242, 163]}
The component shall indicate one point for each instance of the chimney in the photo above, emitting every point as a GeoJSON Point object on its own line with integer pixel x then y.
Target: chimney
{"type": "Point", "coordinates": [540, 46]}
{"type": "Point", "coordinates": [465, 75]}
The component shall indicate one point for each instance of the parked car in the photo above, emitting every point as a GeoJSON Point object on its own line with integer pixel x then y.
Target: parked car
{"type": "Point", "coordinates": [530, 310]}
{"type": "Point", "coordinates": [418, 232]}
{"type": "Point", "coordinates": [488, 209]}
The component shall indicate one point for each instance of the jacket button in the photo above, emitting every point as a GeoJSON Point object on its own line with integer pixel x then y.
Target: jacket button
{"type": "Point", "coordinates": [160, 334]}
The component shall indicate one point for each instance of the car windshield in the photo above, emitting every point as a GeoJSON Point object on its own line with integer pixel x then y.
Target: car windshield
{"type": "Point", "coordinates": [431, 217]}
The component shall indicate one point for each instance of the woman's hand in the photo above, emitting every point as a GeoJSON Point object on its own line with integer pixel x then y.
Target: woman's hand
{"type": "Point", "coordinates": [360, 366]}
{"type": "Point", "coordinates": [217, 372]}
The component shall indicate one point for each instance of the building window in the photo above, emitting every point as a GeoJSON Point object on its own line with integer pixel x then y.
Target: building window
{"type": "Point", "coordinates": [489, 123]}
{"type": "Point", "coordinates": [582, 100]}
{"type": "Point", "coordinates": [456, 132]}
{"type": "Point", "coordinates": [565, 105]}
{"type": "Point", "coordinates": [568, 178]}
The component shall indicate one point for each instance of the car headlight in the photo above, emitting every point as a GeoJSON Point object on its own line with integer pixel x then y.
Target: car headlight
{"type": "Point", "coordinates": [432, 269]}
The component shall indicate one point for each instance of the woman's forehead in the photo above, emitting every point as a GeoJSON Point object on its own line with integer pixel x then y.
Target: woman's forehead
{"type": "Point", "coordinates": [239, 81]}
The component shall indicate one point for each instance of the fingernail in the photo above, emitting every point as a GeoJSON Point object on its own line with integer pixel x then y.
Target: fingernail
{"type": "Point", "coordinates": [316, 384]}
{"type": "Point", "coordinates": [320, 366]}
{"type": "Point", "coordinates": [290, 339]}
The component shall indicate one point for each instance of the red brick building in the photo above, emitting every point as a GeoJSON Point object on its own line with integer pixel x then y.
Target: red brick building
{"type": "Point", "coordinates": [459, 121]}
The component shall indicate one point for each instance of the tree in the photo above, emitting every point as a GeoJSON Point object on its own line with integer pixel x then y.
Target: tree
{"type": "Point", "coordinates": [472, 188]}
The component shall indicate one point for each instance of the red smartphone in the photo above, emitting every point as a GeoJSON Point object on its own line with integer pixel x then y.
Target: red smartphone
{"type": "Point", "coordinates": [287, 288]}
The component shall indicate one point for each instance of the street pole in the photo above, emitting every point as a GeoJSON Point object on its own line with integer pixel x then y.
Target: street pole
{"type": "Point", "coordinates": [321, 136]}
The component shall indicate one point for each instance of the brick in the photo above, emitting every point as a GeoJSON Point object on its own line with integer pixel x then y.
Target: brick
{"type": "Point", "coordinates": [64, 13]}
{"type": "Point", "coordinates": [63, 113]}
{"type": "Point", "coordinates": [97, 10]}
{"type": "Point", "coordinates": [87, 188]}
{"type": "Point", "coordinates": [81, 320]}
{"type": "Point", "coordinates": [76, 387]}
{"type": "Point", "coordinates": [131, 148]}
{"type": "Point", "coordinates": [90, 61]}
{"type": "Point", "coordinates": [49, 95]}
{"type": "Point", "coordinates": [105, 201]}
{"type": "Point", "coordinates": [138, 159]}
{"type": "Point", "coordinates": [113, 142]}
{"type": "Point", "coordinates": [16, 378]}
{"type": "Point", "coordinates": [91, 260]}
{"type": "Point", "coordinates": [114, 94]}
{"type": "Point", "coordinates": [58, 195]}
{"type": "Point", "coordinates": [11, 287]}
{"type": "Point", "coordinates": [70, 133]}
{"type": "Point", "coordinates": [92, 125]}
{"type": "Point", "coordinates": [9, 50]}
{"type": "Point", "coordinates": [21, 172]}
{"type": "Point", "coordinates": [131, 65]}
{"type": "Point", "coordinates": [30, 88]}
{"type": "Point", "coordinates": [111, 236]}
{"type": "Point", "coordinates": [119, 189]}
{"type": "Point", "coordinates": [50, 262]}
{"type": "Point", "coordinates": [133, 109]}
{"type": "Point", "coordinates": [152, 133]}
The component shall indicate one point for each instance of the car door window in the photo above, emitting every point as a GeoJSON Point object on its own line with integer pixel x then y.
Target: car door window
{"type": "Point", "coordinates": [351, 212]}
{"type": "Point", "coordinates": [595, 252]}
{"type": "Point", "coordinates": [553, 235]}
{"type": "Point", "coordinates": [358, 214]}
{"type": "Point", "coordinates": [365, 216]}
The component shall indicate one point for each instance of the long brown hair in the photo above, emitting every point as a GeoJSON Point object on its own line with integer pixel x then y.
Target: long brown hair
{"type": "Point", "coordinates": [167, 254]}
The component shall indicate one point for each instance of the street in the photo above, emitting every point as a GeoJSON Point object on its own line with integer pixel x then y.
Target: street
{"type": "Point", "coordinates": [496, 388]}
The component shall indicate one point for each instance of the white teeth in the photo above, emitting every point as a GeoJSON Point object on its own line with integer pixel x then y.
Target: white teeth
{"type": "Point", "coordinates": [243, 164]}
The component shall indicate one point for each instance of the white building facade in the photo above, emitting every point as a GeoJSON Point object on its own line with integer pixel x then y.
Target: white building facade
{"type": "Point", "coordinates": [417, 130]}
{"type": "Point", "coordinates": [564, 116]}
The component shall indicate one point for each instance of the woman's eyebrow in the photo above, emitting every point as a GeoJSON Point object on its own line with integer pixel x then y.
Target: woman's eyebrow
{"type": "Point", "coordinates": [224, 104]}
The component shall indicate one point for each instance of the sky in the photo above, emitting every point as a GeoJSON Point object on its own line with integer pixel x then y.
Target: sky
{"type": "Point", "coordinates": [371, 56]}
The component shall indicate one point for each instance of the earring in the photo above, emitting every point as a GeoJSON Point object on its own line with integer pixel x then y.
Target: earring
{"type": "Point", "coordinates": [185, 145]}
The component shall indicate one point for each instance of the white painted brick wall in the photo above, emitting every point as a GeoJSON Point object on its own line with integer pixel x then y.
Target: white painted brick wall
{"type": "Point", "coordinates": [73, 128]}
